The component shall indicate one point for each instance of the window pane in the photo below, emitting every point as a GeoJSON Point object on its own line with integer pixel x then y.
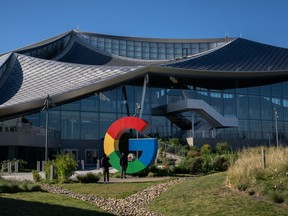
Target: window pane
{"type": "Point", "coordinates": [89, 126]}
{"type": "Point", "coordinates": [70, 125]}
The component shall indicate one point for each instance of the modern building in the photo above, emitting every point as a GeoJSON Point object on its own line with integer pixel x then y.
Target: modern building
{"type": "Point", "coordinates": [64, 92]}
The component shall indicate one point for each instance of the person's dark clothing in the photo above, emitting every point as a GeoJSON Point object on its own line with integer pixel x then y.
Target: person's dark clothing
{"type": "Point", "coordinates": [105, 165]}
{"type": "Point", "coordinates": [124, 165]}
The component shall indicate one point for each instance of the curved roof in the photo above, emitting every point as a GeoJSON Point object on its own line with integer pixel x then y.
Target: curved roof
{"type": "Point", "coordinates": [67, 68]}
{"type": "Point", "coordinates": [240, 55]}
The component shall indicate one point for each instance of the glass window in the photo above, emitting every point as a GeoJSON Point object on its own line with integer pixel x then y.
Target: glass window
{"type": "Point", "coordinates": [254, 90]}
{"type": "Point", "coordinates": [115, 51]}
{"type": "Point", "coordinates": [242, 106]}
{"type": "Point", "coordinates": [153, 47]}
{"type": "Point", "coordinates": [203, 47]}
{"type": "Point", "coordinates": [70, 125]}
{"type": "Point", "coordinates": [123, 52]}
{"type": "Point", "coordinates": [160, 127]}
{"type": "Point", "coordinates": [122, 44]}
{"type": "Point", "coordinates": [266, 108]}
{"type": "Point", "coordinates": [89, 126]}
{"type": "Point", "coordinates": [254, 107]}
{"type": "Point", "coordinates": [146, 55]}
{"type": "Point", "coordinates": [130, 54]}
{"type": "Point", "coordinates": [229, 102]}
{"type": "Point", "coordinates": [265, 90]}
{"type": "Point", "coordinates": [115, 45]}
{"type": "Point", "coordinates": [71, 106]}
{"type": "Point", "coordinates": [195, 48]}
{"type": "Point", "coordinates": [54, 119]}
{"type": "Point", "coordinates": [277, 90]}
{"type": "Point", "coordinates": [130, 47]}
{"type": "Point", "coordinates": [153, 56]}
{"type": "Point", "coordinates": [34, 119]}
{"type": "Point", "coordinates": [170, 56]}
{"type": "Point", "coordinates": [108, 101]}
{"type": "Point", "coordinates": [285, 89]}
{"type": "Point", "coordinates": [108, 43]}
{"type": "Point", "coordinates": [91, 156]}
{"type": "Point", "coordinates": [106, 119]}
{"type": "Point", "coordinates": [138, 55]}
{"type": "Point", "coordinates": [161, 50]}
{"type": "Point", "coordinates": [216, 101]}
{"type": "Point", "coordinates": [276, 101]}
{"type": "Point", "coordinates": [255, 129]}
{"type": "Point", "coordinates": [90, 103]}
{"type": "Point", "coordinates": [100, 43]}
{"type": "Point", "coordinates": [161, 56]}
{"type": "Point", "coordinates": [212, 45]}
{"type": "Point", "coordinates": [138, 46]}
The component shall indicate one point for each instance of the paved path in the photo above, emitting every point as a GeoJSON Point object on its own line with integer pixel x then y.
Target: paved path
{"type": "Point", "coordinates": [28, 176]}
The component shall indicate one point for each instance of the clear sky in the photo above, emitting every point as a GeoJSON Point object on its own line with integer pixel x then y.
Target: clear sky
{"type": "Point", "coordinates": [24, 22]}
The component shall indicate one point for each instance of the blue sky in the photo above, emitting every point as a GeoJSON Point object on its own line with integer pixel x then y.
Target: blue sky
{"type": "Point", "coordinates": [24, 22]}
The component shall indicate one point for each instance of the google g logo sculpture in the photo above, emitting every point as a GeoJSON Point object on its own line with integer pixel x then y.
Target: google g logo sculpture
{"type": "Point", "coordinates": [148, 146]}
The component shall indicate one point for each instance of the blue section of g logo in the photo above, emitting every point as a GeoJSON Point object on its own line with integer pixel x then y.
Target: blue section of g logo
{"type": "Point", "coordinates": [148, 147]}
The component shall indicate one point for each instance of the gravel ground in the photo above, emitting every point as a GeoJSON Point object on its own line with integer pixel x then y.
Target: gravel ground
{"type": "Point", "coordinates": [132, 205]}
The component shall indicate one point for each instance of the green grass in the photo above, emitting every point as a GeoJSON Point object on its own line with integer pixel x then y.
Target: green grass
{"type": "Point", "coordinates": [113, 190]}
{"type": "Point", "coordinates": [44, 204]}
{"type": "Point", "coordinates": [208, 195]}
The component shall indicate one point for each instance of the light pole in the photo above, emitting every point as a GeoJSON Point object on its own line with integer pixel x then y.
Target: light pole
{"type": "Point", "coordinates": [276, 126]}
{"type": "Point", "coordinates": [47, 103]}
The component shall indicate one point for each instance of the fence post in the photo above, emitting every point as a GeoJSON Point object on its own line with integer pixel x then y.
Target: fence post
{"type": "Point", "coordinates": [16, 166]}
{"type": "Point", "coordinates": [264, 158]}
{"type": "Point", "coordinates": [82, 164]}
{"type": "Point", "coordinates": [51, 172]}
{"type": "Point", "coordinates": [3, 167]}
{"type": "Point", "coordinates": [38, 166]}
{"type": "Point", "coordinates": [43, 165]}
{"type": "Point", "coordinates": [9, 167]}
{"type": "Point", "coordinates": [98, 163]}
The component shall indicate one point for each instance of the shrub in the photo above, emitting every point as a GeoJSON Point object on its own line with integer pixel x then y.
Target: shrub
{"type": "Point", "coordinates": [206, 149]}
{"type": "Point", "coordinates": [88, 178]}
{"type": "Point", "coordinates": [21, 164]}
{"type": "Point", "coordinates": [193, 153]}
{"type": "Point", "coordinates": [194, 165]}
{"type": "Point", "coordinates": [64, 167]}
{"type": "Point", "coordinates": [174, 142]}
{"type": "Point", "coordinates": [222, 148]}
{"type": "Point", "coordinates": [248, 171]}
{"type": "Point", "coordinates": [36, 176]}
{"type": "Point", "coordinates": [220, 163]}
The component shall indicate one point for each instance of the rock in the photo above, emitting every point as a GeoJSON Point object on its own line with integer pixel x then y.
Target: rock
{"type": "Point", "coordinates": [132, 205]}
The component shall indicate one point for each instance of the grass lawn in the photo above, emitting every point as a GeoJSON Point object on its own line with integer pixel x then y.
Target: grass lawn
{"type": "Point", "coordinates": [113, 190]}
{"type": "Point", "coordinates": [208, 195]}
{"type": "Point", "coordinates": [44, 204]}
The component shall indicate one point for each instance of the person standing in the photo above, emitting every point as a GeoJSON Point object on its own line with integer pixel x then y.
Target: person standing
{"type": "Point", "coordinates": [105, 164]}
{"type": "Point", "coordinates": [124, 165]}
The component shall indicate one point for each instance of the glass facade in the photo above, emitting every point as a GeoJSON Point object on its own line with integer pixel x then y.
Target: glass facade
{"type": "Point", "coordinates": [89, 118]}
{"type": "Point", "coordinates": [148, 50]}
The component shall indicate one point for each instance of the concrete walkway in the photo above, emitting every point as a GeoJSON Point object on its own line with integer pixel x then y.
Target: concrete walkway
{"type": "Point", "coordinates": [28, 176]}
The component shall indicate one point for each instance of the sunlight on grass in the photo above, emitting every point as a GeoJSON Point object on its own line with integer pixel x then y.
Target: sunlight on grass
{"type": "Point", "coordinates": [208, 195]}
{"type": "Point", "coordinates": [248, 174]}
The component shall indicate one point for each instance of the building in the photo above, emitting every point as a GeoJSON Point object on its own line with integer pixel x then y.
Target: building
{"type": "Point", "coordinates": [78, 83]}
